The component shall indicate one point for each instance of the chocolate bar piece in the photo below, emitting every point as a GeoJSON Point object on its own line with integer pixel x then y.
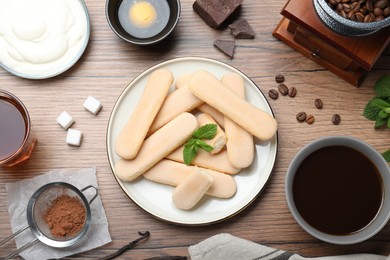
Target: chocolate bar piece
{"type": "Point", "coordinates": [226, 46]}
{"type": "Point", "coordinates": [215, 12]}
{"type": "Point", "coordinates": [242, 30]}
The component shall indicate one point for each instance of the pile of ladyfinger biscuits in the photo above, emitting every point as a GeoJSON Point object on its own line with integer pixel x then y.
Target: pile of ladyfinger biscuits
{"type": "Point", "coordinates": [151, 142]}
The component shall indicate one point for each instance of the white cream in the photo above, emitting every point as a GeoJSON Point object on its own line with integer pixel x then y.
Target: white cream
{"type": "Point", "coordinates": [41, 37]}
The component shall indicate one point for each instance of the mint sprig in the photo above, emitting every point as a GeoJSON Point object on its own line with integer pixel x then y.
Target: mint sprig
{"type": "Point", "coordinates": [192, 146]}
{"type": "Point", "coordinates": [386, 155]}
{"type": "Point", "coordinates": [378, 108]}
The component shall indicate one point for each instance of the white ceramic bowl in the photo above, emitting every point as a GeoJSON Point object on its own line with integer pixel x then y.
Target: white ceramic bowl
{"type": "Point", "coordinates": [33, 70]}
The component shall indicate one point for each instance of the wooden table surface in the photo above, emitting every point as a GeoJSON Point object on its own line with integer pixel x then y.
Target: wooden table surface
{"type": "Point", "coordinates": [109, 64]}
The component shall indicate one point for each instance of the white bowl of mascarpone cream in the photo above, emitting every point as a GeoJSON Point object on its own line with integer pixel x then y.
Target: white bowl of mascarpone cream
{"type": "Point", "coordinates": [42, 38]}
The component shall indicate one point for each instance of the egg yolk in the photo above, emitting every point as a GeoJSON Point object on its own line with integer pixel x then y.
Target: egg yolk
{"type": "Point", "coordinates": [142, 14]}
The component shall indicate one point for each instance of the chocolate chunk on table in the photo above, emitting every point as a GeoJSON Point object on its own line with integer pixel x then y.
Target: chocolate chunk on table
{"type": "Point", "coordinates": [241, 29]}
{"type": "Point", "coordinates": [226, 46]}
{"type": "Point", "coordinates": [215, 12]}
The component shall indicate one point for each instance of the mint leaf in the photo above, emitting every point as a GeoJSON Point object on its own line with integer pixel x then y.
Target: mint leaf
{"type": "Point", "coordinates": [192, 146]}
{"type": "Point", "coordinates": [190, 151]}
{"type": "Point", "coordinates": [382, 86]}
{"type": "Point", "coordinates": [204, 146]}
{"type": "Point", "coordinates": [386, 155]}
{"type": "Point", "coordinates": [379, 103]}
{"type": "Point", "coordinates": [380, 122]}
{"type": "Point", "coordinates": [383, 114]}
{"type": "Point", "coordinates": [370, 112]}
{"type": "Point", "coordinates": [207, 131]}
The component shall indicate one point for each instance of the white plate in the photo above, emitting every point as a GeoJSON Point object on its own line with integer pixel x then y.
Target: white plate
{"type": "Point", "coordinates": [156, 198]}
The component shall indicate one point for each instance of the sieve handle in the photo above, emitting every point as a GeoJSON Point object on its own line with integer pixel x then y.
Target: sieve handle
{"type": "Point", "coordinates": [96, 192]}
{"type": "Point", "coordinates": [21, 249]}
{"type": "Point", "coordinates": [13, 235]}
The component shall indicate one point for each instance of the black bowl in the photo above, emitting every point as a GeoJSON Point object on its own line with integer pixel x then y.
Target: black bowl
{"type": "Point", "coordinates": [112, 18]}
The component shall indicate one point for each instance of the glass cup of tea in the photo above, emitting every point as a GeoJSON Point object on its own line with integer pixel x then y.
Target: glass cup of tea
{"type": "Point", "coordinates": [17, 139]}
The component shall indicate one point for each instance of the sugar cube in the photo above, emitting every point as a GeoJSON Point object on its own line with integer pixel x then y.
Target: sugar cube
{"type": "Point", "coordinates": [74, 137]}
{"type": "Point", "coordinates": [65, 120]}
{"type": "Point", "coordinates": [92, 105]}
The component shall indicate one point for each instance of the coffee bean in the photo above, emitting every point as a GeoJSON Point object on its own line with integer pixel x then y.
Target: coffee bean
{"type": "Point", "coordinates": [301, 116]}
{"type": "Point", "coordinates": [370, 6]}
{"type": "Point", "coordinates": [272, 93]}
{"type": "Point", "coordinates": [382, 4]}
{"type": "Point", "coordinates": [386, 11]}
{"type": "Point", "coordinates": [379, 18]}
{"type": "Point", "coordinates": [378, 11]}
{"type": "Point", "coordinates": [279, 78]}
{"type": "Point", "coordinates": [346, 8]}
{"type": "Point", "coordinates": [359, 17]}
{"type": "Point", "coordinates": [318, 103]}
{"type": "Point", "coordinates": [292, 92]}
{"type": "Point", "coordinates": [361, 10]}
{"type": "Point", "coordinates": [283, 89]}
{"type": "Point", "coordinates": [310, 119]}
{"type": "Point", "coordinates": [336, 119]}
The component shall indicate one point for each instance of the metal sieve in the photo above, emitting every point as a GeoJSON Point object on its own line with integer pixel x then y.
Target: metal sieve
{"type": "Point", "coordinates": [38, 205]}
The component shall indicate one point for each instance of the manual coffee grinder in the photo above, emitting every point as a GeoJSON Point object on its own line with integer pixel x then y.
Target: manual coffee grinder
{"type": "Point", "coordinates": [349, 55]}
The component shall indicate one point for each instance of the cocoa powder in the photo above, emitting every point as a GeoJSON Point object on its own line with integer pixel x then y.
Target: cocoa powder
{"type": "Point", "coordinates": [65, 217]}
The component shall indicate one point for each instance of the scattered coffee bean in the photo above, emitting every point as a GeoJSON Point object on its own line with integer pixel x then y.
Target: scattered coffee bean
{"type": "Point", "coordinates": [301, 116]}
{"type": "Point", "coordinates": [272, 93]}
{"type": "Point", "coordinates": [283, 89]}
{"type": "Point", "coordinates": [310, 119]}
{"type": "Point", "coordinates": [292, 92]}
{"type": "Point", "coordinates": [279, 78]}
{"type": "Point", "coordinates": [336, 119]}
{"type": "Point", "coordinates": [318, 103]}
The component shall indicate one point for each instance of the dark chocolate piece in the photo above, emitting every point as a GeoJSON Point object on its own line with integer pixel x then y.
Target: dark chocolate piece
{"type": "Point", "coordinates": [226, 46]}
{"type": "Point", "coordinates": [215, 12]}
{"type": "Point", "coordinates": [242, 30]}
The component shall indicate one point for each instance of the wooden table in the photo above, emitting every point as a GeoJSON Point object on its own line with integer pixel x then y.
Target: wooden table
{"type": "Point", "coordinates": [109, 64]}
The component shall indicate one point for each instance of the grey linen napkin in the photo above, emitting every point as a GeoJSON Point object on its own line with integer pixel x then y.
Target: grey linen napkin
{"type": "Point", "coordinates": [227, 247]}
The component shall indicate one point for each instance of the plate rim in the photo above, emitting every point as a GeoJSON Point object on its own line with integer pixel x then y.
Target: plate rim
{"type": "Point", "coordinates": [130, 85]}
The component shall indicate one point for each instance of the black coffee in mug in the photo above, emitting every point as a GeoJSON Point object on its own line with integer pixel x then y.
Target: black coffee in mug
{"type": "Point", "coordinates": [338, 190]}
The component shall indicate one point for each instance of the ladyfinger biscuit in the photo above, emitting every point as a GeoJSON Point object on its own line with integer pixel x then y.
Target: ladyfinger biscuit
{"type": "Point", "coordinates": [239, 145]}
{"type": "Point", "coordinates": [182, 82]}
{"type": "Point", "coordinates": [215, 114]}
{"type": "Point", "coordinates": [177, 102]}
{"type": "Point", "coordinates": [134, 132]}
{"type": "Point", "coordinates": [218, 162]}
{"type": "Point", "coordinates": [189, 192]}
{"type": "Point", "coordinates": [219, 140]}
{"type": "Point", "coordinates": [256, 121]}
{"type": "Point", "coordinates": [157, 146]}
{"type": "Point", "coordinates": [172, 173]}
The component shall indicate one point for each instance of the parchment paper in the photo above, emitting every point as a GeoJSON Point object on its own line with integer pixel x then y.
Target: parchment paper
{"type": "Point", "coordinates": [19, 193]}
